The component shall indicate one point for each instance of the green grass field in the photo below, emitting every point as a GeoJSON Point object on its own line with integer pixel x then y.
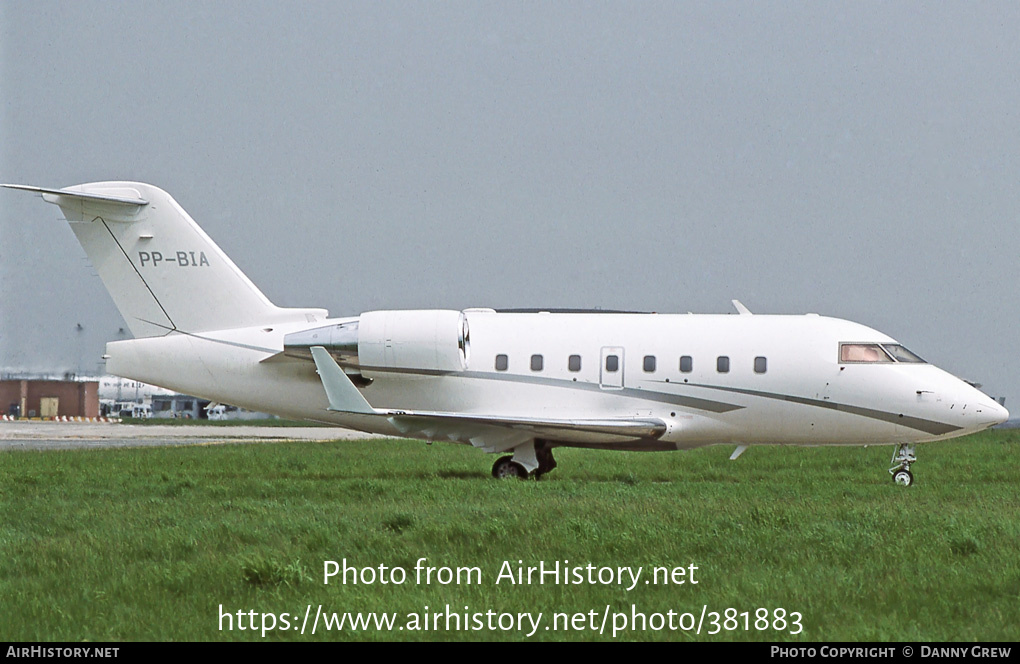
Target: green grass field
{"type": "Point", "coordinates": [146, 544]}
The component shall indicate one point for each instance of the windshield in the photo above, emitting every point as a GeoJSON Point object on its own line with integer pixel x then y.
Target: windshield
{"type": "Point", "coordinates": [901, 354]}
{"type": "Point", "coordinates": [872, 353]}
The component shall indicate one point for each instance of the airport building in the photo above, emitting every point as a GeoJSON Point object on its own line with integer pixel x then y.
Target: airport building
{"type": "Point", "coordinates": [179, 405]}
{"type": "Point", "coordinates": [49, 397]}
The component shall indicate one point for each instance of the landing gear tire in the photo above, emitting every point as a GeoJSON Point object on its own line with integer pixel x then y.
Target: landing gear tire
{"type": "Point", "coordinates": [507, 468]}
{"type": "Point", "coordinates": [903, 477]}
{"type": "Point", "coordinates": [903, 457]}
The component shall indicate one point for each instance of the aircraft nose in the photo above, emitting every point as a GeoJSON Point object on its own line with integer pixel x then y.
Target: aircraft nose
{"type": "Point", "coordinates": [998, 414]}
{"type": "Point", "coordinates": [989, 413]}
{"type": "Point", "coordinates": [973, 410]}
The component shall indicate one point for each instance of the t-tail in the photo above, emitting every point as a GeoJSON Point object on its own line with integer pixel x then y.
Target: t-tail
{"type": "Point", "coordinates": [163, 272]}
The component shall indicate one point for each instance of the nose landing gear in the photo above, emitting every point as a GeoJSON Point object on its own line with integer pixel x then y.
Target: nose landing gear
{"type": "Point", "coordinates": [901, 460]}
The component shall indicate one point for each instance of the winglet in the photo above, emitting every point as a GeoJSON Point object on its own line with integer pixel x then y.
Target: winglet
{"type": "Point", "coordinates": [340, 391]}
{"type": "Point", "coordinates": [741, 309]}
{"type": "Point", "coordinates": [737, 452]}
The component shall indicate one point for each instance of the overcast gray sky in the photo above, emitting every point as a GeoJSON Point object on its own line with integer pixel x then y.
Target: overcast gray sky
{"type": "Point", "coordinates": [858, 160]}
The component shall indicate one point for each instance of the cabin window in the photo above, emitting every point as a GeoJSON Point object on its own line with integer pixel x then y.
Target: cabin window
{"type": "Point", "coordinates": [649, 365]}
{"type": "Point", "coordinates": [612, 363]}
{"type": "Point", "coordinates": [686, 364]}
{"type": "Point", "coordinates": [536, 362]}
{"type": "Point", "coordinates": [502, 362]}
{"type": "Point", "coordinates": [760, 365]}
{"type": "Point", "coordinates": [574, 363]}
{"type": "Point", "coordinates": [722, 364]}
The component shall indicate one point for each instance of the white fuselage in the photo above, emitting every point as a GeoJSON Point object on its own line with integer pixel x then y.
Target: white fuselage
{"type": "Point", "coordinates": [510, 381]}
{"type": "Point", "coordinates": [785, 384]}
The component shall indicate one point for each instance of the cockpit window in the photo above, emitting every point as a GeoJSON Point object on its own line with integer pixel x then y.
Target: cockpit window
{"type": "Point", "coordinates": [862, 353]}
{"type": "Point", "coordinates": [870, 353]}
{"type": "Point", "coordinates": [901, 354]}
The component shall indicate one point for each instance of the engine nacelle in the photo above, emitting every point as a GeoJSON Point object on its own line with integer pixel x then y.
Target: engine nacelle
{"type": "Point", "coordinates": [340, 339]}
{"type": "Point", "coordinates": [429, 340]}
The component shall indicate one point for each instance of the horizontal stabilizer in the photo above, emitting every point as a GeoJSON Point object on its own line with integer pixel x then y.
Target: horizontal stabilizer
{"type": "Point", "coordinates": [136, 200]}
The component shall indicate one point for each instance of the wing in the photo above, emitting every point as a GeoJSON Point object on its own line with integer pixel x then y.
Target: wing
{"type": "Point", "coordinates": [489, 432]}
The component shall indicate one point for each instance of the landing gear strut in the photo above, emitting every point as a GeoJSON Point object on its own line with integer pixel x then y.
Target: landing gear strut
{"type": "Point", "coordinates": [546, 462]}
{"type": "Point", "coordinates": [901, 460]}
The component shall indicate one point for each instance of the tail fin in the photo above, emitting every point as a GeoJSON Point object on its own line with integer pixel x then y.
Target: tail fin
{"type": "Point", "coordinates": [163, 272]}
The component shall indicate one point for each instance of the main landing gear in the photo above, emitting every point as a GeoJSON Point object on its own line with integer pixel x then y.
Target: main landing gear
{"type": "Point", "coordinates": [901, 460]}
{"type": "Point", "coordinates": [539, 452]}
{"type": "Point", "coordinates": [506, 467]}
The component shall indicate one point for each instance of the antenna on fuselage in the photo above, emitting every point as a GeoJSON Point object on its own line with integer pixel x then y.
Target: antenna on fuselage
{"type": "Point", "coordinates": [741, 309]}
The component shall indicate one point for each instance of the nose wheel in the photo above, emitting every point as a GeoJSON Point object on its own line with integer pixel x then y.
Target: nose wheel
{"type": "Point", "coordinates": [901, 460]}
{"type": "Point", "coordinates": [903, 477]}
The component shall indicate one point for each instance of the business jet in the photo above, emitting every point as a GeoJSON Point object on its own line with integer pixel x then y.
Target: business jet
{"type": "Point", "coordinates": [516, 383]}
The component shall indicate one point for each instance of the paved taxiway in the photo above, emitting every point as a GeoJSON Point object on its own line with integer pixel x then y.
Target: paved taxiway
{"type": "Point", "coordinates": [42, 435]}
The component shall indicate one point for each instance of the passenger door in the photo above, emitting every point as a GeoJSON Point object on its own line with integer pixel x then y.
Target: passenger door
{"type": "Point", "coordinates": [611, 368]}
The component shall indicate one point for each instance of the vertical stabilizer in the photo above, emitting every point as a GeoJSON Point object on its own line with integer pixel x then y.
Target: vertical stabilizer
{"type": "Point", "coordinates": [163, 272]}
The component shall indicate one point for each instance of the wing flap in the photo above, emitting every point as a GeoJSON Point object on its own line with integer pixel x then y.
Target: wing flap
{"type": "Point", "coordinates": [551, 428]}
